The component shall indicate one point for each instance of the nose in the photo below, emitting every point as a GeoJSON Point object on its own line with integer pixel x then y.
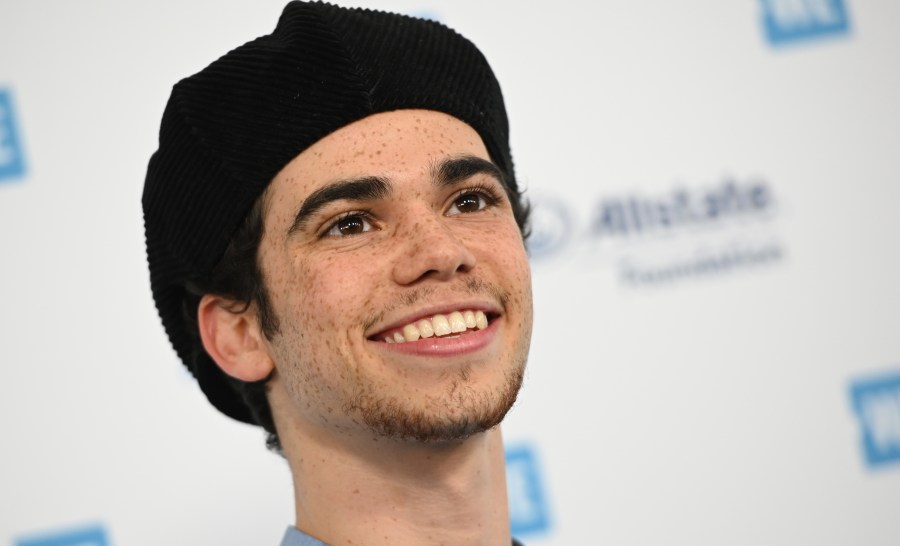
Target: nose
{"type": "Point", "coordinates": [430, 249]}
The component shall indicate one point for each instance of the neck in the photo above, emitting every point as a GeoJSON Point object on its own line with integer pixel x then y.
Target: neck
{"type": "Point", "coordinates": [351, 490]}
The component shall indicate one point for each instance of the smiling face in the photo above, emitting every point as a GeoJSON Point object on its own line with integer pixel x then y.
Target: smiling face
{"type": "Point", "coordinates": [400, 282]}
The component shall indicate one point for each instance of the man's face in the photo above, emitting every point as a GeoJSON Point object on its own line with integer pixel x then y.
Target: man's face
{"type": "Point", "coordinates": [393, 228]}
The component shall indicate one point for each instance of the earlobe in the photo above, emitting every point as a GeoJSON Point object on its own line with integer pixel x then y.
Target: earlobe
{"type": "Point", "coordinates": [233, 339]}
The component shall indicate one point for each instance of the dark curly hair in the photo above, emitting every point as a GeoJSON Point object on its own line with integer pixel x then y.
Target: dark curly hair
{"type": "Point", "coordinates": [238, 277]}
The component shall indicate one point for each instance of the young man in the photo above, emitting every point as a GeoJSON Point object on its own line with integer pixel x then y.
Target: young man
{"type": "Point", "coordinates": [335, 239]}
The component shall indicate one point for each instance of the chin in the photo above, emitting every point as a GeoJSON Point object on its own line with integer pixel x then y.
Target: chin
{"type": "Point", "coordinates": [452, 417]}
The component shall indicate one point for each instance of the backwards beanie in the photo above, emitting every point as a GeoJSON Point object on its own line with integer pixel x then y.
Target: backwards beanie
{"type": "Point", "coordinates": [227, 130]}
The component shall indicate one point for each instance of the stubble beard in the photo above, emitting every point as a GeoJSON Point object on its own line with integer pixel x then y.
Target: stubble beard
{"type": "Point", "coordinates": [464, 409]}
{"type": "Point", "coordinates": [453, 416]}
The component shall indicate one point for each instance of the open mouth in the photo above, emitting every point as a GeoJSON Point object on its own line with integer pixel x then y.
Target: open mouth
{"type": "Point", "coordinates": [444, 326]}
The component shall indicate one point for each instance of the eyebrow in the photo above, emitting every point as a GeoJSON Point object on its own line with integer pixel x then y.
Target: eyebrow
{"type": "Point", "coordinates": [355, 189]}
{"type": "Point", "coordinates": [456, 169]}
{"type": "Point", "coordinates": [448, 172]}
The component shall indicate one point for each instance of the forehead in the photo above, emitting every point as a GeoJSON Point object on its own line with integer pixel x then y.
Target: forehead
{"type": "Point", "coordinates": [396, 145]}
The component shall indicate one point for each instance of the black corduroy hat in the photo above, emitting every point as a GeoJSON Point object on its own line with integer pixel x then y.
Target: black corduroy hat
{"type": "Point", "coordinates": [229, 129]}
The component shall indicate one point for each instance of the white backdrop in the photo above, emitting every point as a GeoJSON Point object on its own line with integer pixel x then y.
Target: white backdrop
{"type": "Point", "coordinates": [716, 357]}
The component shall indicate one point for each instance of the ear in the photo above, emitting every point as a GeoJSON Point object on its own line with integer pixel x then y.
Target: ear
{"type": "Point", "coordinates": [233, 339]}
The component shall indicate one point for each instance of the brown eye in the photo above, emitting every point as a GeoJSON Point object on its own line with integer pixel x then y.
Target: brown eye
{"type": "Point", "coordinates": [468, 202]}
{"type": "Point", "coordinates": [352, 224]}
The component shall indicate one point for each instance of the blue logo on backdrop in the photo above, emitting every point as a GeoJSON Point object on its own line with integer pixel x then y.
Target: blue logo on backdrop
{"type": "Point", "coordinates": [876, 403]}
{"type": "Point", "coordinates": [635, 215]}
{"type": "Point", "coordinates": [551, 227]}
{"type": "Point", "coordinates": [528, 512]}
{"type": "Point", "coordinates": [11, 163]}
{"type": "Point", "coordinates": [86, 536]}
{"type": "Point", "coordinates": [787, 21]}
{"type": "Point", "coordinates": [655, 239]}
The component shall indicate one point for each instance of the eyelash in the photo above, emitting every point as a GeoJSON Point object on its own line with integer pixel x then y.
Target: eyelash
{"type": "Point", "coordinates": [489, 194]}
{"type": "Point", "coordinates": [364, 215]}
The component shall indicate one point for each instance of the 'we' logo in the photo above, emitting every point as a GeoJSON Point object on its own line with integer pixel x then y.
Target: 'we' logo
{"type": "Point", "coordinates": [799, 20]}
{"type": "Point", "coordinates": [88, 536]}
{"type": "Point", "coordinates": [11, 163]}
{"type": "Point", "coordinates": [528, 509]}
{"type": "Point", "coordinates": [876, 403]}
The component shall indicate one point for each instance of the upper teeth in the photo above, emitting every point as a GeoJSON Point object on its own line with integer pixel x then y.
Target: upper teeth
{"type": "Point", "coordinates": [440, 325]}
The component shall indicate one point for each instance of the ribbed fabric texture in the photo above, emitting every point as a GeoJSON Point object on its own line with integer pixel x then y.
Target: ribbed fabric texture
{"type": "Point", "coordinates": [227, 130]}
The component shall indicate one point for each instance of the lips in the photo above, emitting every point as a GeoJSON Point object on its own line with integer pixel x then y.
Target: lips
{"type": "Point", "coordinates": [439, 326]}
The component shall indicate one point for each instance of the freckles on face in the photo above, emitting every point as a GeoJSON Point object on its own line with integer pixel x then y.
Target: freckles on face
{"type": "Point", "coordinates": [328, 290]}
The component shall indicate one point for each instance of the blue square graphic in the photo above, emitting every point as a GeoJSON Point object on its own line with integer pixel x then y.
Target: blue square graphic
{"type": "Point", "coordinates": [789, 21]}
{"type": "Point", "coordinates": [12, 164]}
{"type": "Point", "coordinates": [528, 510]}
{"type": "Point", "coordinates": [876, 403]}
{"type": "Point", "coordinates": [85, 536]}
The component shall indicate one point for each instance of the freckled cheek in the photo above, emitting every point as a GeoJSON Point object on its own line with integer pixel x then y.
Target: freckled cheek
{"type": "Point", "coordinates": [293, 293]}
{"type": "Point", "coordinates": [504, 246]}
{"type": "Point", "coordinates": [511, 258]}
{"type": "Point", "coordinates": [333, 291]}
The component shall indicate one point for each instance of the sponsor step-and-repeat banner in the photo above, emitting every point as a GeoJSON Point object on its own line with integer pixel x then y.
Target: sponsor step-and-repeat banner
{"type": "Point", "coordinates": [716, 357]}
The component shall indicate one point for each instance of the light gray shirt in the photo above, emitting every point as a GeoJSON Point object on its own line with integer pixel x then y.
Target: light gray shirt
{"type": "Point", "coordinates": [296, 537]}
